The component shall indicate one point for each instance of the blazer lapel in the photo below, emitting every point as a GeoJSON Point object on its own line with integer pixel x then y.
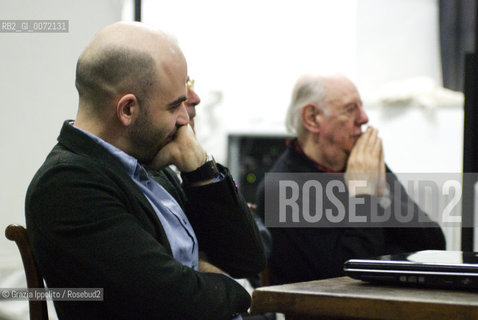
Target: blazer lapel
{"type": "Point", "coordinates": [78, 142]}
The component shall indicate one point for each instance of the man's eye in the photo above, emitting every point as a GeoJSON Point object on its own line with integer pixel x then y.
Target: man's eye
{"type": "Point", "coordinates": [174, 107]}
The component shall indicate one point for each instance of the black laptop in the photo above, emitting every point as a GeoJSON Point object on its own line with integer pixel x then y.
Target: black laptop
{"type": "Point", "coordinates": [428, 268]}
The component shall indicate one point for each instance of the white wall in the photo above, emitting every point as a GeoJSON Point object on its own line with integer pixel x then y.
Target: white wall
{"type": "Point", "coordinates": [38, 93]}
{"type": "Point", "coordinates": [396, 40]}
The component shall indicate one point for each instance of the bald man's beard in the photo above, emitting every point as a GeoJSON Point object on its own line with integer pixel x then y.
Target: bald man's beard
{"type": "Point", "coordinates": [145, 139]}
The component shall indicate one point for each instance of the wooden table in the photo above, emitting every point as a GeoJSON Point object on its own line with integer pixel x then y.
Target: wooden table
{"type": "Point", "coordinates": [346, 298]}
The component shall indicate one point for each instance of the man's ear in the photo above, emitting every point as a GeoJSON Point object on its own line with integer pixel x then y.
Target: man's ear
{"type": "Point", "coordinates": [127, 109]}
{"type": "Point", "coordinates": [311, 116]}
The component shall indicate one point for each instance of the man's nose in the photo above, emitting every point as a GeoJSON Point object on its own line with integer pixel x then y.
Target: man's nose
{"type": "Point", "coordinates": [362, 117]}
{"type": "Point", "coordinates": [183, 117]}
{"type": "Point", "coordinates": [193, 98]}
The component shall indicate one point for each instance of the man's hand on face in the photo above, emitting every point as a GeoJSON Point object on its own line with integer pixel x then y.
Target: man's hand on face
{"type": "Point", "coordinates": [184, 151]}
{"type": "Point", "coordinates": [365, 172]}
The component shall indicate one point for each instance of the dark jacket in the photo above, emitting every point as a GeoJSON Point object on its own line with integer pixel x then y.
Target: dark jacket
{"type": "Point", "coordinates": [91, 227]}
{"type": "Point", "coordinates": [303, 254]}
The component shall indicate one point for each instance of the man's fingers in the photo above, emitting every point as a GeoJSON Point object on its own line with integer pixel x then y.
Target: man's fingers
{"type": "Point", "coordinates": [366, 162]}
{"type": "Point", "coordinates": [362, 141]}
{"type": "Point", "coordinates": [382, 159]}
{"type": "Point", "coordinates": [376, 148]}
{"type": "Point", "coordinates": [188, 154]}
{"type": "Point", "coordinates": [382, 186]}
{"type": "Point", "coordinates": [368, 145]}
{"type": "Point", "coordinates": [372, 140]}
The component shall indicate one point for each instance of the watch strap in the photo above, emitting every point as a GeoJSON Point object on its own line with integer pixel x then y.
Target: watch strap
{"type": "Point", "coordinates": [205, 172]}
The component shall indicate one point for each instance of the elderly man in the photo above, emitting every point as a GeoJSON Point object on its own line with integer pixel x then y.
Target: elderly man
{"type": "Point", "coordinates": [326, 113]}
{"type": "Point", "coordinates": [95, 217]}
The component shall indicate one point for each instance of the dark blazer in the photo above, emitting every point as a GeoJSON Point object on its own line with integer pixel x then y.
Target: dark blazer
{"type": "Point", "coordinates": [91, 227]}
{"type": "Point", "coordinates": [303, 254]}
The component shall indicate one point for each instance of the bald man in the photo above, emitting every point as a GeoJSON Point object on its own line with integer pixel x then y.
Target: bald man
{"type": "Point", "coordinates": [327, 115]}
{"type": "Point", "coordinates": [96, 219]}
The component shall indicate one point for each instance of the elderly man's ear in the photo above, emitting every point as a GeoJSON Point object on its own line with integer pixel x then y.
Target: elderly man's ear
{"type": "Point", "coordinates": [311, 117]}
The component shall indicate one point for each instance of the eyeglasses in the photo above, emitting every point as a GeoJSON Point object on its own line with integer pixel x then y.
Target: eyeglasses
{"type": "Point", "coordinates": [190, 84]}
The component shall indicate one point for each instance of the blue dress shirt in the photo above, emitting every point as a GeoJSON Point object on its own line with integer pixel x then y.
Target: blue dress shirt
{"type": "Point", "coordinates": [179, 231]}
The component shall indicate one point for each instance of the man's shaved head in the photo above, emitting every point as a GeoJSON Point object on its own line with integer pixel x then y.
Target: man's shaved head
{"type": "Point", "coordinates": [122, 58]}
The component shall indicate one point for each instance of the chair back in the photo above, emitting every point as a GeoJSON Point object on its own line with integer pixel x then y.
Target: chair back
{"type": "Point", "coordinates": [17, 233]}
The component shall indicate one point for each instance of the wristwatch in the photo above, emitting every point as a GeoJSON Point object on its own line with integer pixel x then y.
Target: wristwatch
{"type": "Point", "coordinates": [205, 172]}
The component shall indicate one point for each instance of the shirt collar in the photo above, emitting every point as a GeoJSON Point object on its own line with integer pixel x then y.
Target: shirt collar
{"type": "Point", "coordinates": [129, 163]}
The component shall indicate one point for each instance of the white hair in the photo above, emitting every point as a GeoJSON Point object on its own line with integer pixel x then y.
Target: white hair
{"type": "Point", "coordinates": [308, 89]}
